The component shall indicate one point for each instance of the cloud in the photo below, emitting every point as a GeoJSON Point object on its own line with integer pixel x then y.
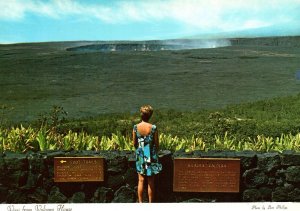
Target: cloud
{"type": "Point", "coordinates": [11, 10]}
{"type": "Point", "coordinates": [227, 15]}
{"type": "Point", "coordinates": [221, 15]}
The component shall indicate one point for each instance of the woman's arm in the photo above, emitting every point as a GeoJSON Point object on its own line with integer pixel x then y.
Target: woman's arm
{"type": "Point", "coordinates": [134, 138]}
{"type": "Point", "coordinates": [156, 140]}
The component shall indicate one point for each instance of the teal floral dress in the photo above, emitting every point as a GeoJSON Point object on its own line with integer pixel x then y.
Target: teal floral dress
{"type": "Point", "coordinates": [145, 154]}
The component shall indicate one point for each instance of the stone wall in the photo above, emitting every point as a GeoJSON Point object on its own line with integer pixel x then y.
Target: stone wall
{"type": "Point", "coordinates": [28, 178]}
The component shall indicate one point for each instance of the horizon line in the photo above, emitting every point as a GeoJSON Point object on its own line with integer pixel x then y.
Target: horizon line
{"type": "Point", "coordinates": [146, 40]}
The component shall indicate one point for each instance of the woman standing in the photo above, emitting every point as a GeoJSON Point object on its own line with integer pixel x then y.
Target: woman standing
{"type": "Point", "coordinates": [145, 139]}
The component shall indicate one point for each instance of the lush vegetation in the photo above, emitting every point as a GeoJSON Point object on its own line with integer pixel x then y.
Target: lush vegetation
{"type": "Point", "coordinates": [22, 139]}
{"type": "Point", "coordinates": [269, 125]}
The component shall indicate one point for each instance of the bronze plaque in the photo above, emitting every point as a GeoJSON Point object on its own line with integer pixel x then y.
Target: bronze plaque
{"type": "Point", "coordinates": [206, 175]}
{"type": "Point", "coordinates": [78, 169]}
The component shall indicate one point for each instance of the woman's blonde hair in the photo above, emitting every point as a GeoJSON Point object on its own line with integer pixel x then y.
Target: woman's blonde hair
{"type": "Point", "coordinates": [146, 112]}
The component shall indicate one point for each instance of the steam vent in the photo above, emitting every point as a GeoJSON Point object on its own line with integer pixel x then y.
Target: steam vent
{"type": "Point", "coordinates": [151, 45]}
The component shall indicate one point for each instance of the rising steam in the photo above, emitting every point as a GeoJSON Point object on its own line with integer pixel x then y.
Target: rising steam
{"type": "Point", "coordinates": [197, 44]}
{"type": "Point", "coordinates": [154, 45]}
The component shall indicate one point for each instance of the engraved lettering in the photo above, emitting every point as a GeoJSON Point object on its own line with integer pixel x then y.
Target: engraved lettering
{"type": "Point", "coordinates": [206, 175]}
{"type": "Point", "coordinates": [79, 169]}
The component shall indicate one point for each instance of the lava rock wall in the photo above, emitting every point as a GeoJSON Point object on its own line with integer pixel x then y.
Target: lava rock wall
{"type": "Point", "coordinates": [29, 178]}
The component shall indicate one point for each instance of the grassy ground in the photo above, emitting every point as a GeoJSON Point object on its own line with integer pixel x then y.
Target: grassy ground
{"type": "Point", "coordinates": [33, 77]}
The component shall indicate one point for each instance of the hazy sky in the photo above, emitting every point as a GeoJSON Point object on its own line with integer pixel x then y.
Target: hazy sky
{"type": "Point", "coordinates": [60, 20]}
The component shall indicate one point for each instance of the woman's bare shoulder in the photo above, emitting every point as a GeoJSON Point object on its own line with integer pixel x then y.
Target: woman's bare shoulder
{"type": "Point", "coordinates": [144, 124]}
{"type": "Point", "coordinates": [144, 128]}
